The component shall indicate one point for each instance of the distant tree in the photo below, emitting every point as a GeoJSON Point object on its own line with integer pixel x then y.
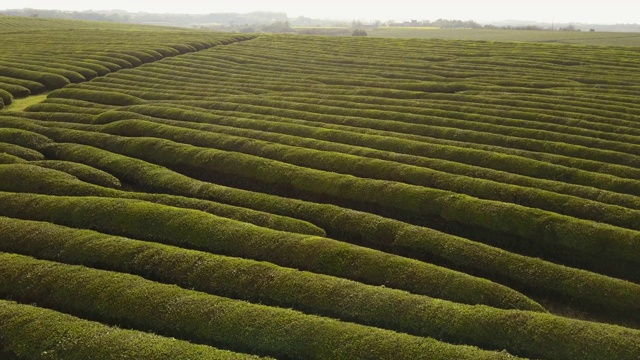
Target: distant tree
{"type": "Point", "coordinates": [569, 27]}
{"type": "Point", "coordinates": [592, 30]}
{"type": "Point", "coordinates": [278, 27]}
{"type": "Point", "coordinates": [359, 32]}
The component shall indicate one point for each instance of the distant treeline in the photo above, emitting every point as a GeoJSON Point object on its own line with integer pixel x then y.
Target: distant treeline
{"type": "Point", "coordinates": [184, 20]}
{"type": "Point", "coordinates": [279, 22]}
{"type": "Point", "coordinates": [470, 24]}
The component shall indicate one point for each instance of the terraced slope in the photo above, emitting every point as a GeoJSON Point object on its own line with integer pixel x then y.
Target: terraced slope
{"type": "Point", "coordinates": [313, 197]}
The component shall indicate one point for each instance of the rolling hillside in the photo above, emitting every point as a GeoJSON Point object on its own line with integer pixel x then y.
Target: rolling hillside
{"type": "Point", "coordinates": [184, 194]}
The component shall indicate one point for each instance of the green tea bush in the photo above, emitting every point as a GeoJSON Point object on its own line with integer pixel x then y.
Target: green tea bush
{"type": "Point", "coordinates": [33, 86]}
{"type": "Point", "coordinates": [50, 81]}
{"type": "Point", "coordinates": [6, 97]}
{"type": "Point", "coordinates": [385, 170]}
{"type": "Point", "coordinates": [131, 301]}
{"type": "Point", "coordinates": [571, 287]}
{"type": "Point", "coordinates": [535, 335]}
{"type": "Point", "coordinates": [60, 117]}
{"type": "Point", "coordinates": [99, 69]}
{"type": "Point", "coordinates": [31, 179]}
{"type": "Point", "coordinates": [20, 151]}
{"type": "Point", "coordinates": [559, 236]}
{"type": "Point", "coordinates": [101, 97]}
{"type": "Point", "coordinates": [140, 55]}
{"type": "Point", "coordinates": [202, 231]}
{"type": "Point", "coordinates": [578, 288]}
{"type": "Point", "coordinates": [58, 108]}
{"type": "Point", "coordinates": [32, 332]}
{"type": "Point", "coordinates": [305, 137]}
{"type": "Point", "coordinates": [184, 48]}
{"type": "Point", "coordinates": [167, 51]}
{"type": "Point", "coordinates": [16, 91]}
{"type": "Point", "coordinates": [78, 103]}
{"type": "Point", "coordinates": [85, 72]}
{"type": "Point", "coordinates": [118, 54]}
{"type": "Point", "coordinates": [24, 138]}
{"type": "Point", "coordinates": [82, 172]}
{"type": "Point", "coordinates": [72, 76]}
{"type": "Point", "coordinates": [10, 159]}
{"type": "Point", "coordinates": [475, 132]}
{"type": "Point", "coordinates": [110, 62]}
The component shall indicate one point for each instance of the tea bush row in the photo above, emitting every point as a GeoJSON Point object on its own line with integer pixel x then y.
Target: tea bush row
{"type": "Point", "coordinates": [528, 334]}
{"type": "Point", "coordinates": [198, 230]}
{"type": "Point", "coordinates": [130, 301]}
{"type": "Point", "coordinates": [31, 332]}
{"type": "Point", "coordinates": [578, 288]}
{"type": "Point", "coordinates": [384, 170]}
{"type": "Point", "coordinates": [546, 165]}
{"type": "Point", "coordinates": [305, 137]}
{"type": "Point", "coordinates": [39, 177]}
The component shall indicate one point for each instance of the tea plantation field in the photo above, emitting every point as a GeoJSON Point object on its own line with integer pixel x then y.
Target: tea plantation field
{"type": "Point", "coordinates": [180, 194]}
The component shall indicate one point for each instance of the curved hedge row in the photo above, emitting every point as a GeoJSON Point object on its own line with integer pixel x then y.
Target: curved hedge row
{"type": "Point", "coordinates": [61, 108]}
{"type": "Point", "coordinates": [24, 138]}
{"type": "Point", "coordinates": [482, 117]}
{"type": "Point", "coordinates": [15, 91]}
{"type": "Point", "coordinates": [131, 301]}
{"type": "Point", "coordinates": [60, 117]}
{"type": "Point", "coordinates": [30, 332]}
{"type": "Point", "coordinates": [311, 138]}
{"type": "Point", "coordinates": [202, 231]}
{"type": "Point", "coordinates": [561, 236]}
{"type": "Point", "coordinates": [385, 170]}
{"type": "Point", "coordinates": [523, 333]}
{"type": "Point", "coordinates": [101, 97]}
{"type": "Point", "coordinates": [49, 80]}
{"type": "Point", "coordinates": [546, 166]}
{"type": "Point", "coordinates": [571, 287]}
{"type": "Point", "coordinates": [29, 178]}
{"type": "Point", "coordinates": [33, 86]}
{"type": "Point", "coordinates": [6, 97]}
{"type": "Point", "coordinates": [82, 172]}
{"type": "Point", "coordinates": [20, 151]}
{"type": "Point", "coordinates": [386, 122]}
{"type": "Point", "coordinates": [84, 72]}
{"type": "Point", "coordinates": [10, 159]}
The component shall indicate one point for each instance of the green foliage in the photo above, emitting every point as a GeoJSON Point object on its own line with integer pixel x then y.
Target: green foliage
{"type": "Point", "coordinates": [31, 332]}
{"type": "Point", "coordinates": [366, 167]}
{"type": "Point", "coordinates": [202, 231]}
{"type": "Point", "coordinates": [82, 172]}
{"type": "Point", "coordinates": [359, 32]}
{"type": "Point", "coordinates": [575, 288]}
{"type": "Point", "coordinates": [33, 86]}
{"type": "Point", "coordinates": [183, 48]}
{"type": "Point", "coordinates": [29, 178]}
{"type": "Point", "coordinates": [559, 234]}
{"type": "Point", "coordinates": [50, 81]}
{"type": "Point", "coordinates": [312, 293]}
{"type": "Point", "coordinates": [6, 97]}
{"type": "Point", "coordinates": [21, 152]}
{"type": "Point", "coordinates": [10, 159]}
{"type": "Point", "coordinates": [135, 302]}
{"type": "Point", "coordinates": [24, 138]}
{"type": "Point", "coordinates": [502, 169]}
{"type": "Point", "coordinates": [16, 91]}
{"type": "Point", "coordinates": [101, 97]}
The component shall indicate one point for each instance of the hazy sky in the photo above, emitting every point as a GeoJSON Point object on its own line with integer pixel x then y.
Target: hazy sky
{"type": "Point", "coordinates": [590, 11]}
